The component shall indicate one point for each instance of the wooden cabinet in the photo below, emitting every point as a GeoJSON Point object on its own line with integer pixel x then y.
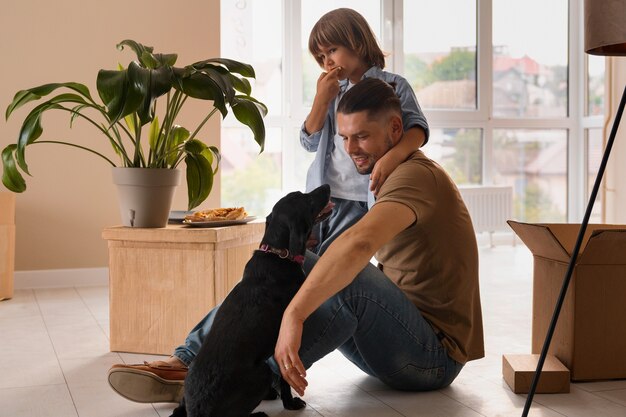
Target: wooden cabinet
{"type": "Point", "coordinates": [7, 244]}
{"type": "Point", "coordinates": [163, 281]}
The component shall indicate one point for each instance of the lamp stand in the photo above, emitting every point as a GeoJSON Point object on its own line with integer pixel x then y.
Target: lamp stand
{"type": "Point", "coordinates": [572, 262]}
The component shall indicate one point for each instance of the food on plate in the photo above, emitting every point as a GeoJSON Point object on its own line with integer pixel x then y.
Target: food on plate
{"type": "Point", "coordinates": [227, 213]}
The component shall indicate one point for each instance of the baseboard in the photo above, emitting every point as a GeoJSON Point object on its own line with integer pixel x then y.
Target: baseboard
{"type": "Point", "coordinates": [57, 278]}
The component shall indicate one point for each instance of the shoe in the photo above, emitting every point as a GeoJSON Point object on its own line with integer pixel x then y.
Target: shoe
{"type": "Point", "coordinates": [152, 382]}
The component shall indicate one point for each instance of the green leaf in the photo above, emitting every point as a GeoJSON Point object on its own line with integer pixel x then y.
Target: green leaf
{"type": "Point", "coordinates": [31, 129]}
{"type": "Point", "coordinates": [153, 135]}
{"type": "Point", "coordinates": [138, 48]}
{"type": "Point", "coordinates": [199, 179]}
{"type": "Point", "coordinates": [11, 177]}
{"type": "Point", "coordinates": [250, 112]}
{"type": "Point", "coordinates": [75, 113]}
{"type": "Point", "coordinates": [130, 122]}
{"type": "Point", "coordinates": [233, 66]}
{"type": "Point", "coordinates": [240, 84]}
{"type": "Point", "coordinates": [198, 85]}
{"type": "Point", "coordinates": [150, 84]}
{"type": "Point", "coordinates": [195, 147]}
{"type": "Point", "coordinates": [148, 60]}
{"type": "Point", "coordinates": [178, 135]}
{"type": "Point", "coordinates": [220, 77]}
{"type": "Point", "coordinates": [211, 154]}
{"type": "Point", "coordinates": [167, 60]}
{"type": "Point", "coordinates": [25, 96]}
{"type": "Point", "coordinates": [120, 98]}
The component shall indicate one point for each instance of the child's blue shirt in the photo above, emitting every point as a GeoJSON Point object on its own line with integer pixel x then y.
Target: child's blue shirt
{"type": "Point", "coordinates": [323, 141]}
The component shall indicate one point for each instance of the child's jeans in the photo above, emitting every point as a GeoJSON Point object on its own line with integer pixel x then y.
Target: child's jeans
{"type": "Point", "coordinates": [345, 214]}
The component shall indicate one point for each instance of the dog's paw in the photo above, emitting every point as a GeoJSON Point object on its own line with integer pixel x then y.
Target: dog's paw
{"type": "Point", "coordinates": [294, 404]}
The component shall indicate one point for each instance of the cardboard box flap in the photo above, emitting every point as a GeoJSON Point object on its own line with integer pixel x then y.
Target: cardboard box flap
{"type": "Point", "coordinates": [540, 240]}
{"type": "Point", "coordinates": [605, 247]}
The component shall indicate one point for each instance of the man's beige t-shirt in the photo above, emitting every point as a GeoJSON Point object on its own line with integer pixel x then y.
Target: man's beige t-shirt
{"type": "Point", "coordinates": [435, 260]}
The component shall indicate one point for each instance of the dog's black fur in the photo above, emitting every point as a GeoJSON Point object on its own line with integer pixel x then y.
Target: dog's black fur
{"type": "Point", "coordinates": [230, 376]}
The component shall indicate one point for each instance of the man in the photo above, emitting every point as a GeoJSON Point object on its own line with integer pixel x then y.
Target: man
{"type": "Point", "coordinates": [414, 321]}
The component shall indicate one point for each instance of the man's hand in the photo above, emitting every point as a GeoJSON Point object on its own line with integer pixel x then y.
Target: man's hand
{"type": "Point", "coordinates": [286, 353]}
{"type": "Point", "coordinates": [382, 169]}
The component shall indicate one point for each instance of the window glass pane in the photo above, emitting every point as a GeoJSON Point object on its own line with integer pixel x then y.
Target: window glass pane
{"type": "Point", "coordinates": [594, 157]}
{"type": "Point", "coordinates": [249, 179]}
{"type": "Point", "coordinates": [459, 151]}
{"type": "Point", "coordinates": [534, 163]}
{"type": "Point", "coordinates": [440, 52]}
{"type": "Point", "coordinates": [595, 85]}
{"type": "Point", "coordinates": [252, 33]}
{"type": "Point", "coordinates": [530, 58]}
{"type": "Point", "coordinates": [297, 164]}
{"type": "Point", "coordinates": [312, 10]}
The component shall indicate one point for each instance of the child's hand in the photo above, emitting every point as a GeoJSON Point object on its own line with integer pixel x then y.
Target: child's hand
{"type": "Point", "coordinates": [382, 169]}
{"type": "Point", "coordinates": [409, 143]}
{"type": "Point", "coordinates": [328, 85]}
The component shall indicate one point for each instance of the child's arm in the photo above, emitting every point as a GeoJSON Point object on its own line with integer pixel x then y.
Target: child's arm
{"type": "Point", "coordinates": [327, 89]}
{"type": "Point", "coordinates": [410, 142]}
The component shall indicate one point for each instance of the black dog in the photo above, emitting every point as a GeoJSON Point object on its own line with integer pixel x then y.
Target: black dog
{"type": "Point", "coordinates": [230, 376]}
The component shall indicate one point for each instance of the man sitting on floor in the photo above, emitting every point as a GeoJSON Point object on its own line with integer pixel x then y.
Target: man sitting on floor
{"type": "Point", "coordinates": [413, 322]}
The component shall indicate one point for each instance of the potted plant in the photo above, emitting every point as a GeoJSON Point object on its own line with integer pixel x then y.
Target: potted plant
{"type": "Point", "coordinates": [128, 119]}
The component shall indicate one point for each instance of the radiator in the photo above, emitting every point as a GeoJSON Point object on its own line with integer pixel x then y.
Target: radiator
{"type": "Point", "coordinates": [489, 206]}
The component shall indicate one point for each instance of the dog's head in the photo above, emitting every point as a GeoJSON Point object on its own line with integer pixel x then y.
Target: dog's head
{"type": "Point", "coordinates": [293, 216]}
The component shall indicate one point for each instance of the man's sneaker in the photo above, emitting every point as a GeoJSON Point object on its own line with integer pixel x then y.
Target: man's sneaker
{"type": "Point", "coordinates": [152, 382]}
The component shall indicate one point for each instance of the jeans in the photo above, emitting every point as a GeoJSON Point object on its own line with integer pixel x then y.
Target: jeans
{"type": "Point", "coordinates": [373, 324]}
{"type": "Point", "coordinates": [344, 215]}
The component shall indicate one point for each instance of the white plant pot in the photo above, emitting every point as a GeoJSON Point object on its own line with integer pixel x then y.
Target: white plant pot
{"type": "Point", "coordinates": [145, 195]}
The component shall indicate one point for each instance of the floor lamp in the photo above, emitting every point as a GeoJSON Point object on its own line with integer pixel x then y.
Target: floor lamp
{"type": "Point", "coordinates": [605, 34]}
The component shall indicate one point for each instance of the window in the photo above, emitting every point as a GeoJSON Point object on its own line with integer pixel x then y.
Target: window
{"type": "Point", "coordinates": [440, 52]}
{"type": "Point", "coordinates": [501, 95]}
{"type": "Point", "coordinates": [460, 152]}
{"type": "Point", "coordinates": [594, 145]}
{"type": "Point", "coordinates": [595, 85]}
{"type": "Point", "coordinates": [534, 163]}
{"type": "Point", "coordinates": [530, 68]}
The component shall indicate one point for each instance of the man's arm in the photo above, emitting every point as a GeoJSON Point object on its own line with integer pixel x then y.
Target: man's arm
{"type": "Point", "coordinates": [337, 268]}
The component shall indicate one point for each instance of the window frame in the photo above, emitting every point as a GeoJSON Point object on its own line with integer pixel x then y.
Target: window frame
{"type": "Point", "coordinates": [575, 122]}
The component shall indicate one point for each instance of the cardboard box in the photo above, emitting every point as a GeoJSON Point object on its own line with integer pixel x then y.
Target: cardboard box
{"type": "Point", "coordinates": [590, 336]}
{"type": "Point", "coordinates": [519, 370]}
{"type": "Point", "coordinates": [7, 244]}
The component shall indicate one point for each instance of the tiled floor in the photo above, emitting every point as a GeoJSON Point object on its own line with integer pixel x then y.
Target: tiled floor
{"type": "Point", "coordinates": [54, 357]}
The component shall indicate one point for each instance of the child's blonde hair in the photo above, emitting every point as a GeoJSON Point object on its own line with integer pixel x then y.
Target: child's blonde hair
{"type": "Point", "coordinates": [347, 28]}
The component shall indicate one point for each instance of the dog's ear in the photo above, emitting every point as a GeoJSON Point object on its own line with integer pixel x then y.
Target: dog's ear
{"type": "Point", "coordinates": [297, 239]}
{"type": "Point", "coordinates": [268, 220]}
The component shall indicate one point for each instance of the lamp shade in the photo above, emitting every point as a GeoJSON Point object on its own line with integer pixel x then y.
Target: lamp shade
{"type": "Point", "coordinates": [605, 27]}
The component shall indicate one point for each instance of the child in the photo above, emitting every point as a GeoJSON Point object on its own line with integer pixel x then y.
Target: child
{"type": "Point", "coordinates": [345, 47]}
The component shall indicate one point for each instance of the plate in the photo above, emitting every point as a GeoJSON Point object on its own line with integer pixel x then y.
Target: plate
{"type": "Point", "coordinates": [177, 216]}
{"type": "Point", "coordinates": [218, 223]}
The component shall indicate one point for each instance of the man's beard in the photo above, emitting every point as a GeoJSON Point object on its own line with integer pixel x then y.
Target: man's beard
{"type": "Point", "coordinates": [366, 170]}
